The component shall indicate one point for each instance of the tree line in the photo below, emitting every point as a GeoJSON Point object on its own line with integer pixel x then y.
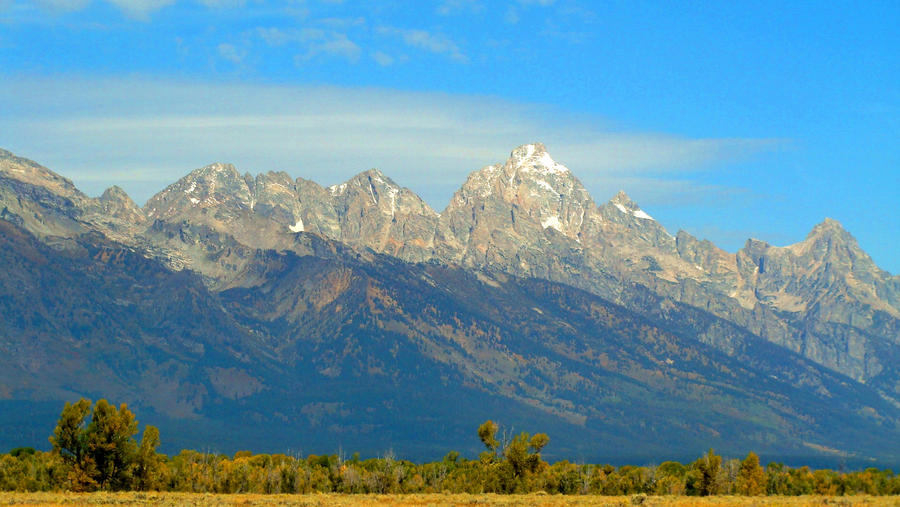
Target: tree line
{"type": "Point", "coordinates": [94, 448]}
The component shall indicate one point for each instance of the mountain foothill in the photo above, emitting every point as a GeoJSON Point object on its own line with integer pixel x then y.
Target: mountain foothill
{"type": "Point", "coordinates": [268, 312]}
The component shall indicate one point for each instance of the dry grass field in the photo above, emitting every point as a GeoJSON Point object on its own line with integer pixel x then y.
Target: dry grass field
{"type": "Point", "coordinates": [337, 500]}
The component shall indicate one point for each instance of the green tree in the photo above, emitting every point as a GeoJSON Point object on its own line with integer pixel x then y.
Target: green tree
{"type": "Point", "coordinates": [69, 441]}
{"type": "Point", "coordinates": [524, 452]}
{"type": "Point", "coordinates": [751, 478]}
{"type": "Point", "coordinates": [111, 444]}
{"type": "Point", "coordinates": [102, 453]}
{"type": "Point", "coordinates": [510, 466]}
{"type": "Point", "coordinates": [670, 478]}
{"type": "Point", "coordinates": [149, 466]}
{"type": "Point", "coordinates": [487, 432]}
{"type": "Point", "coordinates": [703, 480]}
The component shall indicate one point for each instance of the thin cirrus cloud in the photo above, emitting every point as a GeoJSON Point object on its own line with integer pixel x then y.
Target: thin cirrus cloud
{"type": "Point", "coordinates": [223, 3]}
{"type": "Point", "coordinates": [140, 9]}
{"type": "Point", "coordinates": [425, 40]}
{"type": "Point", "coordinates": [57, 5]}
{"type": "Point", "coordinates": [329, 44]}
{"type": "Point", "coordinates": [231, 53]}
{"type": "Point", "coordinates": [144, 134]}
{"type": "Point", "coordinates": [313, 42]}
{"type": "Point", "coordinates": [136, 9]}
{"type": "Point", "coordinates": [448, 7]}
{"type": "Point", "coordinates": [382, 58]}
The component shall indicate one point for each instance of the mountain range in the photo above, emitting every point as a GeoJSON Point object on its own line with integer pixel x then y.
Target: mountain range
{"type": "Point", "coordinates": [265, 312]}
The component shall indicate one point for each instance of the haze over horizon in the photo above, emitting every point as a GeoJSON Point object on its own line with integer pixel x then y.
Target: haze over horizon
{"type": "Point", "coordinates": [726, 121]}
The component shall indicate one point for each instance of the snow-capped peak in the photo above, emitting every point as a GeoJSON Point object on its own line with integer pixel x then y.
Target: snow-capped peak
{"type": "Point", "coordinates": [214, 169]}
{"type": "Point", "coordinates": [534, 158]}
{"type": "Point", "coordinates": [624, 204]}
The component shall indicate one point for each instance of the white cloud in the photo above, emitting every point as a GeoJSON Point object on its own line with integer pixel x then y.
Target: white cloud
{"type": "Point", "coordinates": [60, 5]}
{"type": "Point", "coordinates": [382, 58]}
{"type": "Point", "coordinates": [137, 9]}
{"type": "Point", "coordinates": [423, 39]}
{"type": "Point", "coordinates": [274, 36]}
{"type": "Point", "coordinates": [449, 7]}
{"type": "Point", "coordinates": [306, 34]}
{"type": "Point", "coordinates": [512, 15]}
{"type": "Point", "coordinates": [314, 42]}
{"type": "Point", "coordinates": [219, 4]}
{"type": "Point", "coordinates": [107, 131]}
{"type": "Point", "coordinates": [341, 23]}
{"type": "Point", "coordinates": [140, 9]}
{"type": "Point", "coordinates": [232, 53]}
{"type": "Point", "coordinates": [662, 153]}
{"type": "Point", "coordinates": [330, 44]}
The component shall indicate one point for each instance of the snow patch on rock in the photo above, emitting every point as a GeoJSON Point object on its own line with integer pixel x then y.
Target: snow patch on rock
{"type": "Point", "coordinates": [551, 222]}
{"type": "Point", "coordinates": [640, 214]}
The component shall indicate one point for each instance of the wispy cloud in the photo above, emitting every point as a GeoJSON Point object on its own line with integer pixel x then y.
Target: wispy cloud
{"type": "Point", "coordinates": [342, 23]}
{"type": "Point", "coordinates": [223, 3]}
{"type": "Point", "coordinates": [635, 151]}
{"type": "Point", "coordinates": [382, 58]}
{"type": "Point", "coordinates": [58, 5]}
{"type": "Point", "coordinates": [449, 7]}
{"type": "Point", "coordinates": [512, 15]}
{"type": "Point", "coordinates": [312, 41]}
{"type": "Point", "coordinates": [106, 131]}
{"type": "Point", "coordinates": [425, 40]}
{"type": "Point", "coordinates": [231, 53]}
{"type": "Point", "coordinates": [275, 36]}
{"type": "Point", "coordinates": [135, 9]}
{"type": "Point", "coordinates": [140, 9]}
{"type": "Point", "coordinates": [321, 42]}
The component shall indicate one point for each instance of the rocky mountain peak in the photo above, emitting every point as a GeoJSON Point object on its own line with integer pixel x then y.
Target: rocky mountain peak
{"type": "Point", "coordinates": [215, 173]}
{"type": "Point", "coordinates": [116, 203]}
{"type": "Point", "coordinates": [115, 214]}
{"type": "Point", "coordinates": [529, 178]}
{"type": "Point", "coordinates": [535, 158]}
{"type": "Point", "coordinates": [373, 189]}
{"type": "Point", "coordinates": [31, 172]}
{"type": "Point", "coordinates": [114, 193]}
{"type": "Point", "coordinates": [527, 215]}
{"type": "Point", "coordinates": [829, 227]}
{"type": "Point", "coordinates": [830, 242]}
{"type": "Point", "coordinates": [216, 186]}
{"type": "Point", "coordinates": [506, 213]}
{"type": "Point", "coordinates": [372, 179]}
{"type": "Point", "coordinates": [530, 172]}
{"type": "Point", "coordinates": [625, 205]}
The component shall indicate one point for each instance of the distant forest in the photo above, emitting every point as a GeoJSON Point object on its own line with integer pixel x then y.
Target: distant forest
{"type": "Point", "coordinates": [94, 448]}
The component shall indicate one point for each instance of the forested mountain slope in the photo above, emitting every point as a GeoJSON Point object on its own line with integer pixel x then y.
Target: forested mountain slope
{"type": "Point", "coordinates": [261, 312]}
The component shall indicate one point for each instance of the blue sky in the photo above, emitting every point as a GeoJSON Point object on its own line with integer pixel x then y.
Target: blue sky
{"type": "Point", "coordinates": [726, 120]}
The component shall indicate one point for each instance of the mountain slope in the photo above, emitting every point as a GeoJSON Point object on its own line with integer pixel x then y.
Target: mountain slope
{"type": "Point", "coordinates": [330, 349]}
{"type": "Point", "coordinates": [236, 301]}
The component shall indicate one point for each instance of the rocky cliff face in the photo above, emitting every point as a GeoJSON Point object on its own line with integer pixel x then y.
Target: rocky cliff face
{"type": "Point", "coordinates": [828, 274]}
{"type": "Point", "coordinates": [529, 216]}
{"type": "Point", "coordinates": [509, 216]}
{"type": "Point", "coordinates": [374, 212]}
{"type": "Point", "coordinates": [39, 199]}
{"type": "Point", "coordinates": [333, 348]}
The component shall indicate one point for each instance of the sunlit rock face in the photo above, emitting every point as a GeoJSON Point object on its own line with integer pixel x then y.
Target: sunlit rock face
{"type": "Point", "coordinates": [529, 216]}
